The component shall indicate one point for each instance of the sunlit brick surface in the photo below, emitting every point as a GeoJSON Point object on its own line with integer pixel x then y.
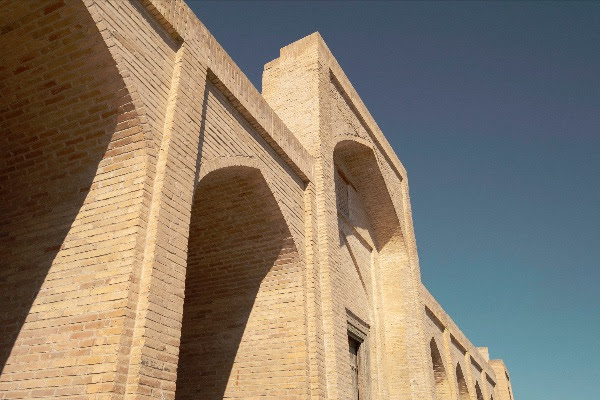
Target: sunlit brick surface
{"type": "Point", "coordinates": [167, 231]}
{"type": "Point", "coordinates": [244, 300]}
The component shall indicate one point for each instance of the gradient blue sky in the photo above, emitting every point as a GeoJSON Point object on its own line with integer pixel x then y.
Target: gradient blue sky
{"type": "Point", "coordinates": [494, 110]}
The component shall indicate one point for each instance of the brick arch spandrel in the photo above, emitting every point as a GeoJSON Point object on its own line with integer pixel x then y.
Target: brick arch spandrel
{"type": "Point", "coordinates": [227, 135]}
{"type": "Point", "coordinates": [338, 138]}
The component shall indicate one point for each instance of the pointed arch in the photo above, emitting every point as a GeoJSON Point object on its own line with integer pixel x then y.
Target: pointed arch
{"type": "Point", "coordinates": [442, 386]}
{"type": "Point", "coordinates": [463, 389]}
{"type": "Point", "coordinates": [478, 392]}
{"type": "Point", "coordinates": [365, 201]}
{"type": "Point", "coordinates": [220, 163]}
{"type": "Point", "coordinates": [369, 183]}
{"type": "Point", "coordinates": [241, 261]}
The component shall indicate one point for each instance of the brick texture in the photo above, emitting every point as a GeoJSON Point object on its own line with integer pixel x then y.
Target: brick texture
{"type": "Point", "coordinates": [168, 232]}
{"type": "Point", "coordinates": [244, 295]}
{"type": "Point", "coordinates": [72, 158]}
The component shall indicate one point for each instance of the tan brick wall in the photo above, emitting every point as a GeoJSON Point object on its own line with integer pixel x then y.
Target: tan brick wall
{"type": "Point", "coordinates": [442, 387]}
{"type": "Point", "coordinates": [164, 227]}
{"type": "Point", "coordinates": [226, 136]}
{"type": "Point", "coordinates": [478, 370]}
{"type": "Point", "coordinates": [302, 86]}
{"type": "Point", "coordinates": [504, 387]}
{"type": "Point", "coordinates": [142, 45]}
{"type": "Point", "coordinates": [72, 167]}
{"type": "Point", "coordinates": [244, 299]}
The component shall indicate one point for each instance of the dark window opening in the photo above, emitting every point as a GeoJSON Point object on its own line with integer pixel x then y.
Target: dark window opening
{"type": "Point", "coordinates": [355, 367]}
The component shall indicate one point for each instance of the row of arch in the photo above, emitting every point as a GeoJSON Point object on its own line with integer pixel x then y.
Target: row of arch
{"type": "Point", "coordinates": [442, 384]}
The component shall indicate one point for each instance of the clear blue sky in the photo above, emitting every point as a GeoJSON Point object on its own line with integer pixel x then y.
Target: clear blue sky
{"type": "Point", "coordinates": [494, 110]}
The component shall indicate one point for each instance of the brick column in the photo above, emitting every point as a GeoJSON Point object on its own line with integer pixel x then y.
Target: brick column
{"type": "Point", "coordinates": [155, 347]}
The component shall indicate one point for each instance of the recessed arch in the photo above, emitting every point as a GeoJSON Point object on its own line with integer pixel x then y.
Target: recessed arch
{"type": "Point", "coordinates": [365, 205]}
{"type": "Point", "coordinates": [239, 339]}
{"type": "Point", "coordinates": [209, 166]}
{"type": "Point", "coordinates": [463, 389]}
{"type": "Point", "coordinates": [478, 392]}
{"type": "Point", "coordinates": [368, 181]}
{"type": "Point", "coordinates": [442, 386]}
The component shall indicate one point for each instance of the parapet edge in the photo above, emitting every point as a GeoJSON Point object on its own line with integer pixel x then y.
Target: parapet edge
{"type": "Point", "coordinates": [481, 357]}
{"type": "Point", "coordinates": [181, 22]}
{"type": "Point", "coordinates": [342, 81]}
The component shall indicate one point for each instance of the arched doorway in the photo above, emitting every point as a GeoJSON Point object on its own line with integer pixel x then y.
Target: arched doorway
{"type": "Point", "coordinates": [243, 316]}
{"type": "Point", "coordinates": [442, 387]}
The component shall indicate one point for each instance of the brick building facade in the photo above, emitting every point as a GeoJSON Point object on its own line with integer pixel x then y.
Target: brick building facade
{"type": "Point", "coordinates": [167, 231]}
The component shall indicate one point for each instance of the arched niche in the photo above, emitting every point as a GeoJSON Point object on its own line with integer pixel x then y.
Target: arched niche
{"type": "Point", "coordinates": [478, 392]}
{"type": "Point", "coordinates": [442, 386]}
{"type": "Point", "coordinates": [243, 329]}
{"type": "Point", "coordinates": [463, 389]}
{"type": "Point", "coordinates": [367, 180]}
{"type": "Point", "coordinates": [364, 203]}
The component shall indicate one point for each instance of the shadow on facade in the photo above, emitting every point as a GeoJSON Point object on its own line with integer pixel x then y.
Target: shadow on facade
{"type": "Point", "coordinates": [478, 392]}
{"type": "Point", "coordinates": [463, 390]}
{"type": "Point", "coordinates": [442, 387]}
{"type": "Point", "coordinates": [240, 257]}
{"type": "Point", "coordinates": [58, 113]}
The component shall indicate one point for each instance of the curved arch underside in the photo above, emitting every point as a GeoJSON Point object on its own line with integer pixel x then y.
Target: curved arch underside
{"type": "Point", "coordinates": [242, 163]}
{"type": "Point", "coordinates": [372, 189]}
{"type": "Point", "coordinates": [442, 386]}
{"type": "Point", "coordinates": [463, 389]}
{"type": "Point", "coordinates": [243, 294]}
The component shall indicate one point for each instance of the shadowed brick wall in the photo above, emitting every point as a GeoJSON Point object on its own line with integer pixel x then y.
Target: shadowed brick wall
{"type": "Point", "coordinates": [167, 231]}
{"type": "Point", "coordinates": [442, 386]}
{"type": "Point", "coordinates": [71, 151]}
{"type": "Point", "coordinates": [243, 330]}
